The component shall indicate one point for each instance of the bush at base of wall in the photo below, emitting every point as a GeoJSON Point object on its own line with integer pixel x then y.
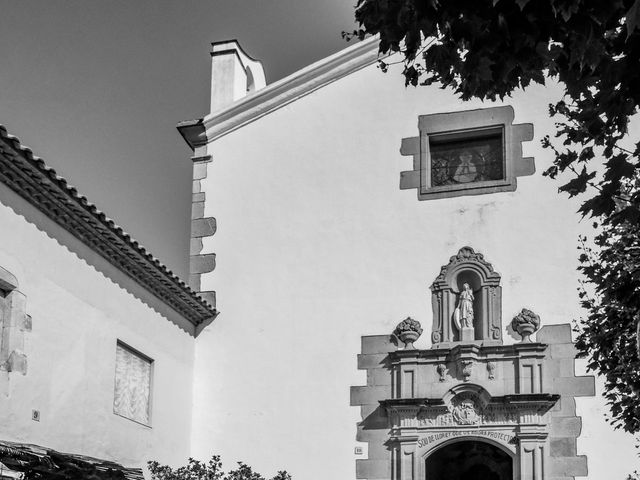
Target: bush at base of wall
{"type": "Point", "coordinates": [211, 470]}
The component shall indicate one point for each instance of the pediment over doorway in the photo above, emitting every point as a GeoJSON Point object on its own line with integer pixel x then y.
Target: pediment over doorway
{"type": "Point", "coordinates": [465, 406]}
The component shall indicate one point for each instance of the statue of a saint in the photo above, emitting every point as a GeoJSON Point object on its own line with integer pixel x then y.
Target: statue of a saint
{"type": "Point", "coordinates": [463, 314]}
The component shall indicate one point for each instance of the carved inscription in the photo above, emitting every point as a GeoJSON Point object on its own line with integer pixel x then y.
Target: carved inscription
{"type": "Point", "coordinates": [502, 436]}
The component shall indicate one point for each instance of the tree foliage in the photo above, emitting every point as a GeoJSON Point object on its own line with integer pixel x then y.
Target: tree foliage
{"type": "Point", "coordinates": [212, 470]}
{"type": "Point", "coordinates": [608, 335]}
{"type": "Point", "coordinates": [486, 49]}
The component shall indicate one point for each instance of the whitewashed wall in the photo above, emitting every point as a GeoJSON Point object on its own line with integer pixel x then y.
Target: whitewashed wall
{"type": "Point", "coordinates": [78, 315]}
{"type": "Point", "coordinates": [316, 246]}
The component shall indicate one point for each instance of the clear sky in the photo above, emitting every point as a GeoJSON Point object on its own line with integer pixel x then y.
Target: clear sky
{"type": "Point", "coordinates": [96, 87]}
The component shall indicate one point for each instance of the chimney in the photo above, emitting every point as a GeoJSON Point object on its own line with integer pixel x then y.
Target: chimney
{"type": "Point", "coordinates": [234, 74]}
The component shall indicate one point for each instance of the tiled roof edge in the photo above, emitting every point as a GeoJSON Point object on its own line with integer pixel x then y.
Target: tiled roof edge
{"type": "Point", "coordinates": [36, 454]}
{"type": "Point", "coordinates": [28, 176]}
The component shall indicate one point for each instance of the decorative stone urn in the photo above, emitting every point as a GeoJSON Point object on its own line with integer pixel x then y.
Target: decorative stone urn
{"type": "Point", "coordinates": [408, 331]}
{"type": "Point", "coordinates": [525, 323]}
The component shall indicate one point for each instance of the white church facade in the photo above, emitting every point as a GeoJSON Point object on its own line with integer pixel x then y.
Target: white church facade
{"type": "Point", "coordinates": [328, 207]}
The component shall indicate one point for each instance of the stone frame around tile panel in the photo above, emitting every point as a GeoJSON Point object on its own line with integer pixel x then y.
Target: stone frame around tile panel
{"type": "Point", "coordinates": [473, 123]}
{"type": "Point", "coordinates": [14, 323]}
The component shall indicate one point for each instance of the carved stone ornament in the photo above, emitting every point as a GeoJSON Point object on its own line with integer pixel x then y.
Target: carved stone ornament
{"type": "Point", "coordinates": [442, 371]}
{"type": "Point", "coordinates": [525, 323]}
{"type": "Point", "coordinates": [491, 368]}
{"type": "Point", "coordinates": [408, 331]}
{"type": "Point", "coordinates": [466, 412]}
{"type": "Point", "coordinates": [466, 300]}
{"type": "Point", "coordinates": [467, 369]}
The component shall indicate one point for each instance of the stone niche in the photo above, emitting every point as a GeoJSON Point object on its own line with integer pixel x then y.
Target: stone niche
{"type": "Point", "coordinates": [470, 410]}
{"type": "Point", "coordinates": [467, 267]}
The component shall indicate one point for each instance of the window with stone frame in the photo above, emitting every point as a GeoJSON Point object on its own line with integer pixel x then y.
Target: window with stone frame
{"type": "Point", "coordinates": [14, 323]}
{"type": "Point", "coordinates": [467, 153]}
{"type": "Point", "coordinates": [133, 382]}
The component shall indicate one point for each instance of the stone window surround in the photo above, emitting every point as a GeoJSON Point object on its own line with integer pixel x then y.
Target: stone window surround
{"type": "Point", "coordinates": [14, 322]}
{"type": "Point", "coordinates": [467, 124]}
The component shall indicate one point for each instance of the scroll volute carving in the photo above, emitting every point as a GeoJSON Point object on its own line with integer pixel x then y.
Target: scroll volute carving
{"type": "Point", "coordinates": [467, 271]}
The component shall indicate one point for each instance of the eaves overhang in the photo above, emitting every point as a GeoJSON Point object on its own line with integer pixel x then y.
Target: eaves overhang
{"type": "Point", "coordinates": [29, 177]}
{"type": "Point", "coordinates": [21, 458]}
{"type": "Point", "coordinates": [256, 105]}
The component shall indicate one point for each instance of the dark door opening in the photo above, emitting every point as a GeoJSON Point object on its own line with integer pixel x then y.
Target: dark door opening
{"type": "Point", "coordinates": [469, 460]}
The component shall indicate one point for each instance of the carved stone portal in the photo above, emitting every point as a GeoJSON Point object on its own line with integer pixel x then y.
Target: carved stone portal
{"type": "Point", "coordinates": [466, 298]}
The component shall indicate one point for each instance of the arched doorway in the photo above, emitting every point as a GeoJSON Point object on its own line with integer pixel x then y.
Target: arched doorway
{"type": "Point", "coordinates": [469, 460]}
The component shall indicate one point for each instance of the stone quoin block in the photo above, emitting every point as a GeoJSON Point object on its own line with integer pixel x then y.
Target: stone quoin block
{"type": "Point", "coordinates": [378, 344]}
{"type": "Point", "coordinates": [378, 376]}
{"type": "Point", "coordinates": [199, 170]}
{"type": "Point", "coordinates": [194, 282]}
{"type": "Point", "coordinates": [371, 361]}
{"type": "Point", "coordinates": [197, 210]}
{"type": "Point", "coordinates": [202, 263]}
{"type": "Point", "coordinates": [371, 436]}
{"type": "Point", "coordinates": [368, 395]}
{"type": "Point", "coordinates": [367, 410]}
{"type": "Point", "coordinates": [372, 469]}
{"type": "Point", "coordinates": [560, 368]}
{"type": "Point", "coordinates": [566, 426]}
{"type": "Point", "coordinates": [195, 246]}
{"type": "Point", "coordinates": [569, 466]}
{"type": "Point", "coordinates": [203, 227]}
{"type": "Point", "coordinates": [554, 334]}
{"type": "Point", "coordinates": [566, 407]}
{"type": "Point", "coordinates": [563, 447]}
{"type": "Point", "coordinates": [563, 350]}
{"type": "Point", "coordinates": [576, 386]}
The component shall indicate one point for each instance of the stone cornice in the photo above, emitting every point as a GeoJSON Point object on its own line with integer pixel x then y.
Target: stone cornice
{"type": "Point", "coordinates": [544, 400]}
{"type": "Point", "coordinates": [475, 350]}
{"type": "Point", "coordinates": [256, 105]}
{"type": "Point", "coordinates": [29, 177]}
